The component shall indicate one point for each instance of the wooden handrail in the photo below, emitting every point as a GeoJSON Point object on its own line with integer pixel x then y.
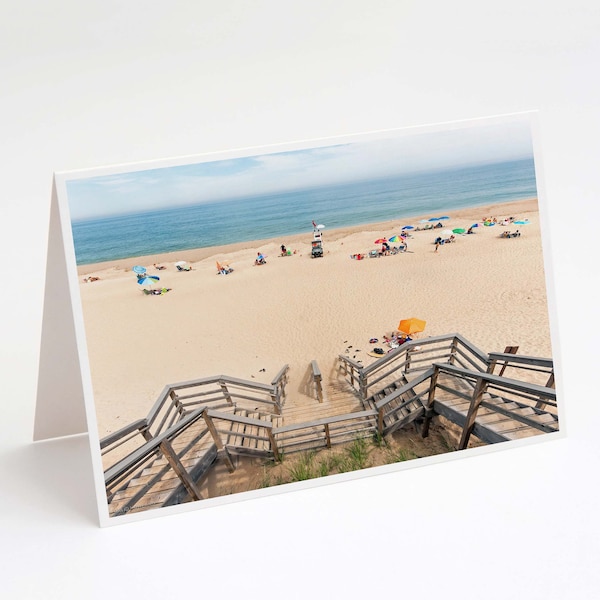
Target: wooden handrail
{"type": "Point", "coordinates": [280, 375]}
{"type": "Point", "coordinates": [215, 414]}
{"type": "Point", "coordinates": [405, 388]}
{"type": "Point", "coordinates": [317, 379]}
{"type": "Point", "coordinates": [522, 359]}
{"type": "Point", "coordinates": [149, 447]}
{"type": "Point", "coordinates": [501, 382]}
{"type": "Point", "coordinates": [162, 397]}
{"type": "Point", "coordinates": [358, 366]}
{"type": "Point", "coordinates": [325, 421]}
{"type": "Point", "coordinates": [140, 425]}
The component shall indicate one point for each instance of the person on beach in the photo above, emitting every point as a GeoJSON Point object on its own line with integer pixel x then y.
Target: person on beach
{"type": "Point", "coordinates": [260, 259]}
{"type": "Point", "coordinates": [438, 243]}
{"type": "Point", "coordinates": [283, 250]}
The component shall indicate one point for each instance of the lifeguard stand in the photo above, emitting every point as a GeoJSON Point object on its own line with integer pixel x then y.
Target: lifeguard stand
{"type": "Point", "coordinates": [317, 244]}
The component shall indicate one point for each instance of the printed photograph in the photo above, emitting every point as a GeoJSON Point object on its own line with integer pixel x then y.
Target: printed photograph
{"type": "Point", "coordinates": [302, 313]}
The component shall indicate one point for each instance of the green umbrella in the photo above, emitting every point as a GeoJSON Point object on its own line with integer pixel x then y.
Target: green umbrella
{"type": "Point", "coordinates": [458, 230]}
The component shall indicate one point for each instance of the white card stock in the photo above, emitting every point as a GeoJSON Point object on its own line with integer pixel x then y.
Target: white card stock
{"type": "Point", "coordinates": [246, 323]}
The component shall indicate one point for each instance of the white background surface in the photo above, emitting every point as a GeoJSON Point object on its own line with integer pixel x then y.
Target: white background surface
{"type": "Point", "coordinates": [95, 83]}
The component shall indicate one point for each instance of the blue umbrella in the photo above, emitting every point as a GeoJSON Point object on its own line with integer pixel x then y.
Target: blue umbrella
{"type": "Point", "coordinates": [139, 269]}
{"type": "Point", "coordinates": [442, 218]}
{"type": "Point", "coordinates": [434, 219]}
{"type": "Point", "coordinates": [407, 227]}
{"type": "Point", "coordinates": [521, 222]}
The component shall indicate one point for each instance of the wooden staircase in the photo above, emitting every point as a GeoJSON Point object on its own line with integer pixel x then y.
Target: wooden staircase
{"type": "Point", "coordinates": [157, 484]}
{"type": "Point", "coordinates": [249, 437]}
{"type": "Point", "coordinates": [205, 424]}
{"type": "Point", "coordinates": [338, 398]}
{"type": "Point", "coordinates": [400, 411]}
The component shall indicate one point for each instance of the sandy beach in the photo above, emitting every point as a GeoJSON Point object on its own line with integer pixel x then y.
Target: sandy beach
{"type": "Point", "coordinates": [295, 309]}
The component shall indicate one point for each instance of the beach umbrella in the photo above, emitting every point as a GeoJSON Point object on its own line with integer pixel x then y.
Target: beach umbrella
{"type": "Point", "coordinates": [424, 221]}
{"type": "Point", "coordinates": [139, 269]}
{"type": "Point", "coordinates": [412, 325]}
{"type": "Point", "coordinates": [446, 232]}
{"type": "Point", "coordinates": [489, 223]}
{"type": "Point", "coordinates": [320, 226]}
{"type": "Point", "coordinates": [521, 222]}
{"type": "Point", "coordinates": [395, 238]}
{"type": "Point", "coordinates": [380, 241]}
{"type": "Point", "coordinates": [442, 218]}
{"type": "Point", "coordinates": [407, 227]}
{"type": "Point", "coordinates": [180, 263]}
{"type": "Point", "coordinates": [150, 280]}
{"type": "Point", "coordinates": [434, 219]}
{"type": "Point", "coordinates": [476, 225]}
{"type": "Point", "coordinates": [458, 230]}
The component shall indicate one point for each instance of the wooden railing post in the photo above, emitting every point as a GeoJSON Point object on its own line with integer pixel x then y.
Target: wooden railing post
{"type": "Point", "coordinates": [478, 392]}
{"type": "Point", "coordinates": [380, 422]}
{"type": "Point", "coordinates": [430, 401]}
{"type": "Point", "coordinates": [453, 349]}
{"type": "Point", "coordinates": [363, 385]}
{"type": "Point", "coordinates": [273, 443]}
{"type": "Point", "coordinates": [179, 469]}
{"type": "Point", "coordinates": [327, 436]}
{"type": "Point", "coordinates": [276, 401]}
{"type": "Point", "coordinates": [176, 402]}
{"type": "Point", "coordinates": [226, 393]}
{"type": "Point", "coordinates": [218, 443]}
{"type": "Point", "coordinates": [549, 384]}
{"type": "Point", "coordinates": [316, 373]}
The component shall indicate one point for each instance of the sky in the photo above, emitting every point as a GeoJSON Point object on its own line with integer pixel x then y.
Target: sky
{"type": "Point", "coordinates": [383, 155]}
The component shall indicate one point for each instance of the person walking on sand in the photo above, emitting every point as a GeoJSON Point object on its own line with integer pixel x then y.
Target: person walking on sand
{"type": "Point", "coordinates": [438, 243]}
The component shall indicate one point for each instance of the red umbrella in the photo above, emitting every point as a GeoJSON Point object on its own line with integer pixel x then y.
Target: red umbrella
{"type": "Point", "coordinates": [380, 241]}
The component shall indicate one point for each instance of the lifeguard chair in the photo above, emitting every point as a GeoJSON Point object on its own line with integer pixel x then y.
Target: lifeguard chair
{"type": "Point", "coordinates": [317, 242]}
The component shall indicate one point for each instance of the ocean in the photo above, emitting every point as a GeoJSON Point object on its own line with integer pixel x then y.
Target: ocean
{"type": "Point", "coordinates": [277, 215]}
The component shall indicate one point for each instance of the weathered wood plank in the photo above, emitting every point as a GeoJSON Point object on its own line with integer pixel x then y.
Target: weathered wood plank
{"type": "Point", "coordinates": [349, 417]}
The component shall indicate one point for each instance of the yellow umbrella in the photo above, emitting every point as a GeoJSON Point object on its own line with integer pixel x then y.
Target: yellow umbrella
{"type": "Point", "coordinates": [412, 325]}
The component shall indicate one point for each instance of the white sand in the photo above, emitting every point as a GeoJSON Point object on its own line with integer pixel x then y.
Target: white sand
{"type": "Point", "coordinates": [296, 309]}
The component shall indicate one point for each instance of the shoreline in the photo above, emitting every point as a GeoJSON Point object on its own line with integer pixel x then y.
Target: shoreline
{"type": "Point", "coordinates": [502, 209]}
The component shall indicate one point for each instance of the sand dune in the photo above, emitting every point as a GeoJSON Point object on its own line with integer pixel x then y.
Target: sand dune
{"type": "Point", "coordinates": [295, 309]}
